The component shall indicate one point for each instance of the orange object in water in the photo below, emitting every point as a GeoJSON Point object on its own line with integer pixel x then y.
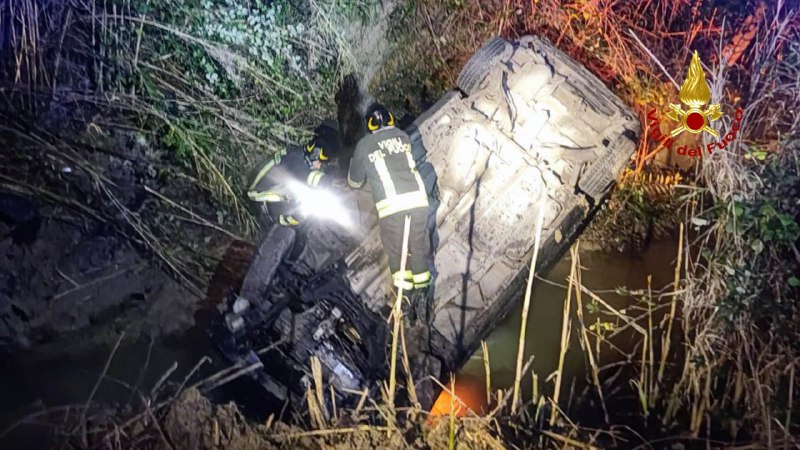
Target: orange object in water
{"type": "Point", "coordinates": [470, 395]}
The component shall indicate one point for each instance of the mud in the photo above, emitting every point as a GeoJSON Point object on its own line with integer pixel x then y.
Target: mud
{"type": "Point", "coordinates": [74, 272]}
{"type": "Point", "coordinates": [75, 278]}
{"type": "Point", "coordinates": [193, 422]}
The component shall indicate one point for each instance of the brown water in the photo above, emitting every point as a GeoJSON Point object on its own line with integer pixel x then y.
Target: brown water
{"type": "Point", "coordinates": [603, 273]}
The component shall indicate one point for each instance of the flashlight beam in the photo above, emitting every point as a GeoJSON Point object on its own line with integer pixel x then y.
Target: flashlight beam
{"type": "Point", "coordinates": [319, 203]}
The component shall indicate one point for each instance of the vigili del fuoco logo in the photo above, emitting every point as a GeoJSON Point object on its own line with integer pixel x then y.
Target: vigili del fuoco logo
{"type": "Point", "coordinates": [696, 118]}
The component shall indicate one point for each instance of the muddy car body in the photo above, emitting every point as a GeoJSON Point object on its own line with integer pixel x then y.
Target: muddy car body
{"type": "Point", "coordinates": [528, 127]}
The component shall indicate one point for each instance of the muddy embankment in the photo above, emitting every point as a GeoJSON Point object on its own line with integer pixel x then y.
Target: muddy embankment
{"type": "Point", "coordinates": [77, 264]}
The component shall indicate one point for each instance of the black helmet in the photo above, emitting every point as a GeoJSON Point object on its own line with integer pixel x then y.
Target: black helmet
{"type": "Point", "coordinates": [378, 117]}
{"type": "Point", "coordinates": [315, 151]}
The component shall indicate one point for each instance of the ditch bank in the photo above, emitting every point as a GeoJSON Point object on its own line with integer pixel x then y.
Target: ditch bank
{"type": "Point", "coordinates": [161, 367]}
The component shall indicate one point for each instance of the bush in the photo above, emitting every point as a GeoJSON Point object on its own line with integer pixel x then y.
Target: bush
{"type": "Point", "coordinates": [256, 30]}
{"type": "Point", "coordinates": [764, 282]}
{"type": "Point", "coordinates": [227, 83]}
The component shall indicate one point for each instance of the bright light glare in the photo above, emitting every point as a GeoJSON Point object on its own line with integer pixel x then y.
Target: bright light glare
{"type": "Point", "coordinates": [320, 203]}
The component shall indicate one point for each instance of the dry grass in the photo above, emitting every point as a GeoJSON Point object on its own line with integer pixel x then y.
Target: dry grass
{"type": "Point", "coordinates": [746, 365]}
{"type": "Point", "coordinates": [526, 305]}
{"type": "Point", "coordinates": [639, 48]}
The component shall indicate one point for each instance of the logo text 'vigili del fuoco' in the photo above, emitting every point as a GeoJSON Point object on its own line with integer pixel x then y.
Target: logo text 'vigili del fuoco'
{"type": "Point", "coordinates": [696, 118]}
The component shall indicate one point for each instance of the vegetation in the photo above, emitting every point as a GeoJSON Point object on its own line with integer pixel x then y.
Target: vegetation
{"type": "Point", "coordinates": [206, 90]}
{"type": "Point", "coordinates": [210, 87]}
{"type": "Point", "coordinates": [644, 208]}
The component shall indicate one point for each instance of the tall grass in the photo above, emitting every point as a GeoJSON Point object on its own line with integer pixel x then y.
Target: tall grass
{"type": "Point", "coordinates": [176, 77]}
{"type": "Point", "coordinates": [739, 354]}
{"type": "Point", "coordinates": [527, 302]}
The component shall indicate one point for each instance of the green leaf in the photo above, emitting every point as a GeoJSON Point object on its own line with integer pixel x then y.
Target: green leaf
{"type": "Point", "coordinates": [757, 246]}
{"type": "Point", "coordinates": [794, 282]}
{"type": "Point", "coordinates": [760, 155]}
{"type": "Point", "coordinates": [785, 219]}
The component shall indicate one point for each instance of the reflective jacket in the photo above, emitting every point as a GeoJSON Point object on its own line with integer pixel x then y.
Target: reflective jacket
{"type": "Point", "coordinates": [385, 160]}
{"type": "Point", "coordinates": [271, 183]}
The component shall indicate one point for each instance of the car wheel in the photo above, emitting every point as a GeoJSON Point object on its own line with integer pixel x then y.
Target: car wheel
{"type": "Point", "coordinates": [481, 64]}
{"type": "Point", "coordinates": [603, 171]}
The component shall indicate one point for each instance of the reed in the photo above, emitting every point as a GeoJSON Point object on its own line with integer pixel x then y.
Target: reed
{"type": "Point", "coordinates": [650, 340]}
{"type": "Point", "coordinates": [410, 387]}
{"type": "Point", "coordinates": [488, 371]}
{"type": "Point", "coordinates": [585, 343]}
{"type": "Point", "coordinates": [527, 303]}
{"type": "Point", "coordinates": [565, 334]}
{"type": "Point", "coordinates": [666, 338]}
{"type": "Point", "coordinates": [397, 314]}
{"type": "Point", "coordinates": [316, 399]}
{"type": "Point", "coordinates": [314, 412]}
{"type": "Point", "coordinates": [451, 438]}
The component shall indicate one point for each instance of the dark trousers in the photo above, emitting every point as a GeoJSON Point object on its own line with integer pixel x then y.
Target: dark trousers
{"type": "Point", "coordinates": [391, 229]}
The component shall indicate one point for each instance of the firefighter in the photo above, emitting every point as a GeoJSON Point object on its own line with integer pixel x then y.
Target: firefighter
{"type": "Point", "coordinates": [270, 187]}
{"type": "Point", "coordinates": [383, 158]}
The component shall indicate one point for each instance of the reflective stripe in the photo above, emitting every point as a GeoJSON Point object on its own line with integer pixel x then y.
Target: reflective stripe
{"type": "Point", "coordinates": [413, 166]}
{"type": "Point", "coordinates": [406, 285]}
{"type": "Point", "coordinates": [276, 159]}
{"type": "Point", "coordinates": [403, 280]}
{"type": "Point", "coordinates": [402, 202]}
{"type": "Point", "coordinates": [353, 184]}
{"type": "Point", "coordinates": [314, 177]}
{"type": "Point", "coordinates": [288, 221]}
{"type": "Point", "coordinates": [407, 275]}
{"type": "Point", "coordinates": [422, 277]}
{"type": "Point", "coordinates": [419, 181]}
{"type": "Point", "coordinates": [422, 280]}
{"type": "Point", "coordinates": [386, 179]}
{"type": "Point", "coordinates": [262, 172]}
{"type": "Point", "coordinates": [269, 196]}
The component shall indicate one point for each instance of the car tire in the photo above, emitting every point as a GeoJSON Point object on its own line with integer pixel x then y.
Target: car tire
{"type": "Point", "coordinates": [276, 244]}
{"type": "Point", "coordinates": [603, 171]}
{"type": "Point", "coordinates": [481, 63]}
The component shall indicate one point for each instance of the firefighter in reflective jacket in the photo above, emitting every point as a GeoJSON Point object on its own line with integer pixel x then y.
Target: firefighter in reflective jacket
{"type": "Point", "coordinates": [383, 158]}
{"type": "Point", "coordinates": [270, 189]}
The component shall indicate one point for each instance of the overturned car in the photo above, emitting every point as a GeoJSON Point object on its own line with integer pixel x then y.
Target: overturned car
{"type": "Point", "coordinates": [527, 126]}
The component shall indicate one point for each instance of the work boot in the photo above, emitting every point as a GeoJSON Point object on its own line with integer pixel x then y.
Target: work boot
{"type": "Point", "coordinates": [409, 311]}
{"type": "Point", "coordinates": [421, 304]}
{"type": "Point", "coordinates": [385, 310]}
{"type": "Point", "coordinates": [406, 307]}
